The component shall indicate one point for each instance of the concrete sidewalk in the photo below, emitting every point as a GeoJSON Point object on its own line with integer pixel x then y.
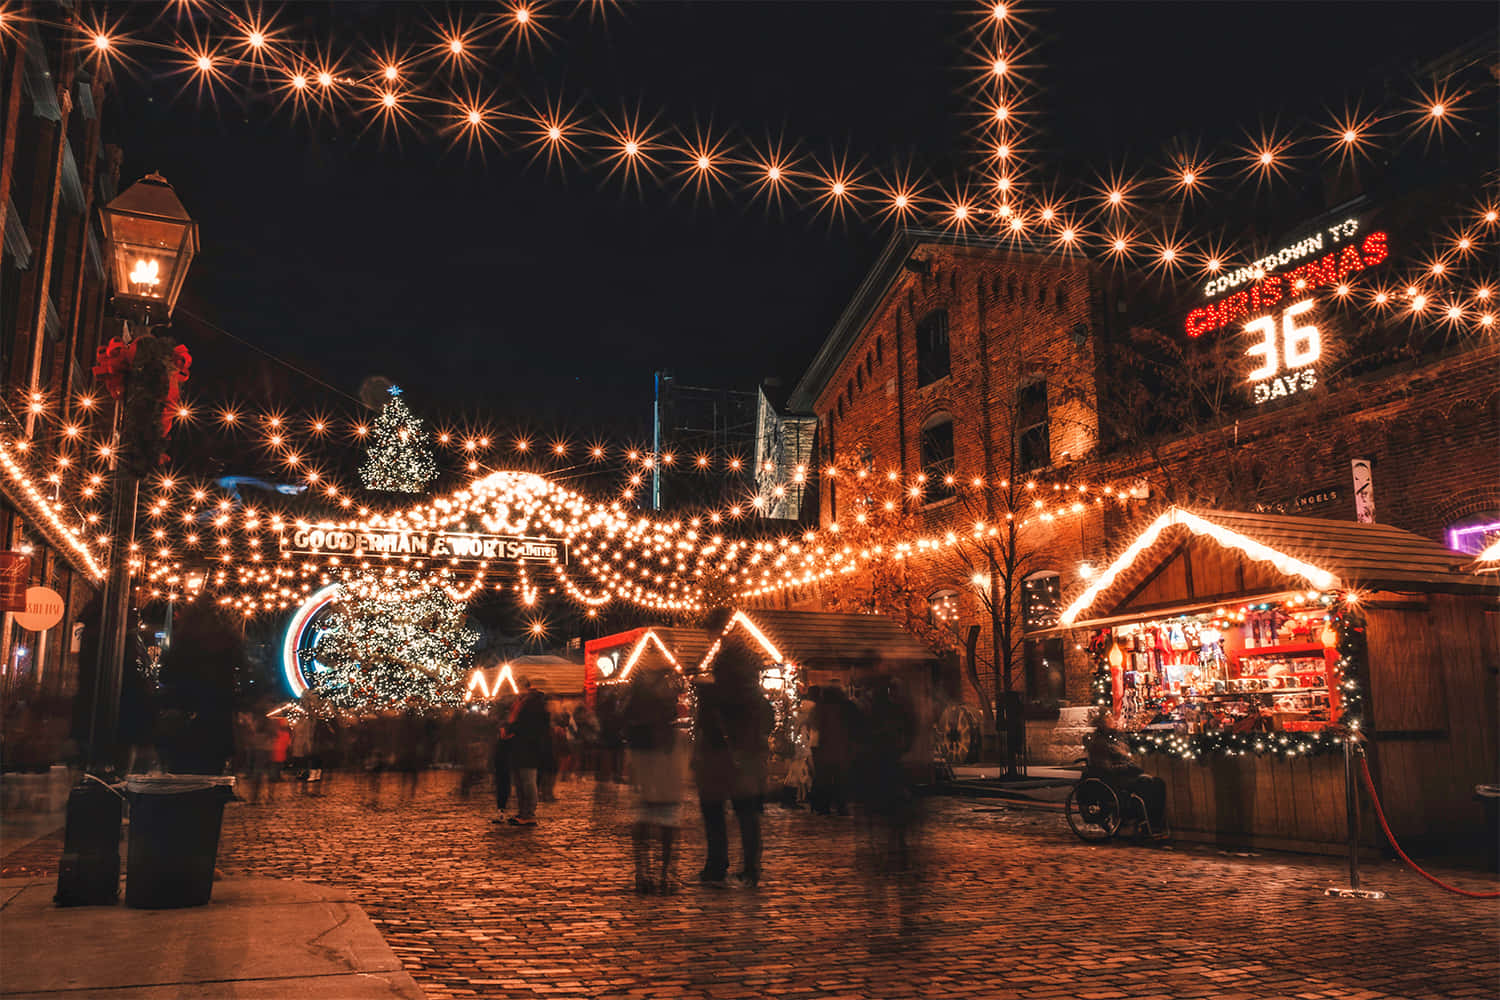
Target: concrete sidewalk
{"type": "Point", "coordinates": [258, 939]}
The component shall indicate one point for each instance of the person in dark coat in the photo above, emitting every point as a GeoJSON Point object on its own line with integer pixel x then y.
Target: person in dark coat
{"type": "Point", "coordinates": [500, 758]}
{"type": "Point", "coordinates": [730, 757]}
{"type": "Point", "coordinates": [833, 757]}
{"type": "Point", "coordinates": [530, 748]}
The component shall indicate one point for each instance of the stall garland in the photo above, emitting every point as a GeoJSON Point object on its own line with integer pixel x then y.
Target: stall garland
{"type": "Point", "coordinates": [1348, 622]}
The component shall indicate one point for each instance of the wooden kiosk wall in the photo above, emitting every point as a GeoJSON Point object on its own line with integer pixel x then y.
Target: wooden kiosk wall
{"type": "Point", "coordinates": [1432, 706]}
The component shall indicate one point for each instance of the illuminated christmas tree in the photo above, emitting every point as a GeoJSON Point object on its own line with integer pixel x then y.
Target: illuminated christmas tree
{"type": "Point", "coordinates": [392, 645]}
{"type": "Point", "coordinates": [399, 459]}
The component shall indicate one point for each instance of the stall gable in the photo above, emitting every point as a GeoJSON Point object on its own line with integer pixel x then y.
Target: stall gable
{"type": "Point", "coordinates": [1187, 569]}
{"type": "Point", "coordinates": [1138, 563]}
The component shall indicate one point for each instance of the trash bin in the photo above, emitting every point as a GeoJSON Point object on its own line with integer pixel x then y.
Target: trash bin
{"type": "Point", "coordinates": [1489, 798]}
{"type": "Point", "coordinates": [174, 838]}
{"type": "Point", "coordinates": [88, 874]}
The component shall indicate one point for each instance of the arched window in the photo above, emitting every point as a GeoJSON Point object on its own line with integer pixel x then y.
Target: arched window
{"type": "Point", "coordinates": [943, 611]}
{"type": "Point", "coordinates": [932, 347]}
{"type": "Point", "coordinates": [937, 456]}
{"type": "Point", "coordinates": [1041, 605]}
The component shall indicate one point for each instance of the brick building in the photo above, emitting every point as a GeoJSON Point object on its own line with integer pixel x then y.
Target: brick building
{"type": "Point", "coordinates": [962, 357]}
{"type": "Point", "coordinates": [54, 170]}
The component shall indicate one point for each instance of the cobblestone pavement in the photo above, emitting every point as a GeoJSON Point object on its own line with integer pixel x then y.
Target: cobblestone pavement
{"type": "Point", "coordinates": [1005, 903]}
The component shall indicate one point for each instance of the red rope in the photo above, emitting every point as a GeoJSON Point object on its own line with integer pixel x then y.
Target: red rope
{"type": "Point", "coordinates": [1380, 815]}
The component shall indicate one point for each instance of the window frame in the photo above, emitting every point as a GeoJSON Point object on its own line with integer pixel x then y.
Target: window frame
{"type": "Point", "coordinates": [938, 469]}
{"type": "Point", "coordinates": [927, 373]}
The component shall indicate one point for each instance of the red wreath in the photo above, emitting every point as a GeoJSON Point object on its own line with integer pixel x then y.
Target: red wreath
{"type": "Point", "coordinates": [115, 360]}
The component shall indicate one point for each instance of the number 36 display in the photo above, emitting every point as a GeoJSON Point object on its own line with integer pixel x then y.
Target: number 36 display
{"type": "Point", "coordinates": [1288, 347]}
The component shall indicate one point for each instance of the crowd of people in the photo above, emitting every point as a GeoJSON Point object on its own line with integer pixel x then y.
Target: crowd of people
{"type": "Point", "coordinates": [670, 739]}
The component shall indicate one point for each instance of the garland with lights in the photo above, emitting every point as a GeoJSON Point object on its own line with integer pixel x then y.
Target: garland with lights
{"type": "Point", "coordinates": [388, 647]}
{"type": "Point", "coordinates": [398, 459]}
{"type": "Point", "coordinates": [440, 83]}
{"type": "Point", "coordinates": [1348, 623]}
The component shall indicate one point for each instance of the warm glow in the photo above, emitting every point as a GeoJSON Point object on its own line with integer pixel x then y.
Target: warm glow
{"type": "Point", "coordinates": [101, 42]}
{"type": "Point", "coordinates": [391, 72]}
{"type": "Point", "coordinates": [145, 272]}
{"type": "Point", "coordinates": [204, 63]}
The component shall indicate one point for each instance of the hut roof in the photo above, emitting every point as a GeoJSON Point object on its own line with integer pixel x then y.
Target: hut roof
{"type": "Point", "coordinates": [552, 674]}
{"type": "Point", "coordinates": [1274, 552]}
{"type": "Point", "coordinates": [827, 638]}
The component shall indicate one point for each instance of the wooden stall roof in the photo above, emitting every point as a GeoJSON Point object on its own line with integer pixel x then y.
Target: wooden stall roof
{"type": "Point", "coordinates": [830, 638]}
{"type": "Point", "coordinates": [1197, 556]}
{"type": "Point", "coordinates": [688, 645]}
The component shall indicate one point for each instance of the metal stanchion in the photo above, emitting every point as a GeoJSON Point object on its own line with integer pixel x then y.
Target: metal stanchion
{"type": "Point", "coordinates": [1351, 809]}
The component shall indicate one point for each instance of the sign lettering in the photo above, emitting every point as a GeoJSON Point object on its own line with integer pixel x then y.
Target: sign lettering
{"type": "Point", "coordinates": [1271, 290]}
{"type": "Point", "coordinates": [1286, 361]}
{"type": "Point", "coordinates": [446, 545]}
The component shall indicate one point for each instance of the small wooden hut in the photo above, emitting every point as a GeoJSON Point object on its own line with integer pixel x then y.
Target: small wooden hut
{"type": "Point", "coordinates": [1239, 649]}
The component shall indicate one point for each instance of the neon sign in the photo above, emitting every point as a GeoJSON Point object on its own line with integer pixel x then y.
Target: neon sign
{"type": "Point", "coordinates": [1286, 360]}
{"type": "Point", "coordinates": [1332, 268]}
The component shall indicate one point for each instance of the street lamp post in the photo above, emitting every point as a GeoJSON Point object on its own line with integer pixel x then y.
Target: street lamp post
{"type": "Point", "coordinates": [152, 243]}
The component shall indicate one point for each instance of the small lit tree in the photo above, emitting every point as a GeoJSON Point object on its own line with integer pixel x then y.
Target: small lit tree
{"type": "Point", "coordinates": [399, 459]}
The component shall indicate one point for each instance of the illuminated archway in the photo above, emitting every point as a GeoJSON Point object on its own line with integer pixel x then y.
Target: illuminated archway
{"type": "Point", "coordinates": [302, 635]}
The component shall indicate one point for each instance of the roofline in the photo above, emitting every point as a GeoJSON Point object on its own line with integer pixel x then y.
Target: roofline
{"type": "Point", "coordinates": [868, 297]}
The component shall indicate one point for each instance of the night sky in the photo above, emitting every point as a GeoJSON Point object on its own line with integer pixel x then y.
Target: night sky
{"type": "Point", "coordinates": [494, 285]}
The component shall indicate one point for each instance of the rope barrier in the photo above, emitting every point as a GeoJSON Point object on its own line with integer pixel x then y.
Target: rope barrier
{"type": "Point", "coordinates": [1364, 766]}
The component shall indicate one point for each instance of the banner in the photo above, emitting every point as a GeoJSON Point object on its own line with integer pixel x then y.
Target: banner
{"type": "Point", "coordinates": [336, 540]}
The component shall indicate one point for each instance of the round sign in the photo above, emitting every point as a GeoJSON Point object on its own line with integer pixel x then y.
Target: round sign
{"type": "Point", "coordinates": [44, 609]}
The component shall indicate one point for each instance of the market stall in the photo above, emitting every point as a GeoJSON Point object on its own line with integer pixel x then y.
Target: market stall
{"type": "Point", "coordinates": [561, 678]}
{"type": "Point", "coordinates": [610, 660]}
{"type": "Point", "coordinates": [803, 649]}
{"type": "Point", "coordinates": [1237, 650]}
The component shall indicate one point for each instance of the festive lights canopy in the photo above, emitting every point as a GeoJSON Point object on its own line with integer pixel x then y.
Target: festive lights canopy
{"type": "Point", "coordinates": [195, 536]}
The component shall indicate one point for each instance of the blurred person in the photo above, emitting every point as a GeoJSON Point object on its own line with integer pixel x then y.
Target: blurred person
{"type": "Point", "coordinates": [281, 747]}
{"type": "Point", "coordinates": [411, 748]}
{"type": "Point", "coordinates": [301, 748]}
{"type": "Point", "coordinates": [587, 723]}
{"type": "Point", "coordinates": [655, 761]}
{"type": "Point", "coordinates": [833, 755]}
{"type": "Point", "coordinates": [500, 758]}
{"type": "Point", "coordinates": [473, 749]}
{"type": "Point", "coordinates": [731, 755]}
{"type": "Point", "coordinates": [887, 796]}
{"type": "Point", "coordinates": [531, 748]}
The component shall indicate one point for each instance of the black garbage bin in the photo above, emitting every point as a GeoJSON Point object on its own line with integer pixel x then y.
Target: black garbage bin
{"type": "Point", "coordinates": [174, 838]}
{"type": "Point", "coordinates": [88, 873]}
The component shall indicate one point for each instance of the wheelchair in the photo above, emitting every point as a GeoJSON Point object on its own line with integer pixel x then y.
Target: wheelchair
{"type": "Point", "coordinates": [1098, 807]}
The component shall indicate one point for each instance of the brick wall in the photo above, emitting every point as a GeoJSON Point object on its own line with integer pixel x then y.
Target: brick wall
{"type": "Point", "coordinates": [1432, 429]}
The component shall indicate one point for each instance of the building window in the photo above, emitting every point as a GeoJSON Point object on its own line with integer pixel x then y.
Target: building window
{"type": "Point", "coordinates": [943, 611]}
{"type": "Point", "coordinates": [1062, 296]}
{"type": "Point", "coordinates": [1041, 604]}
{"type": "Point", "coordinates": [932, 347]}
{"type": "Point", "coordinates": [859, 376]}
{"type": "Point", "coordinates": [880, 350]}
{"type": "Point", "coordinates": [1033, 442]}
{"type": "Point", "coordinates": [937, 456]}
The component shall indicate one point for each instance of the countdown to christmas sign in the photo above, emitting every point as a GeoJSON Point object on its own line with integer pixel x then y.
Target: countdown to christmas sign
{"type": "Point", "coordinates": [1346, 253]}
